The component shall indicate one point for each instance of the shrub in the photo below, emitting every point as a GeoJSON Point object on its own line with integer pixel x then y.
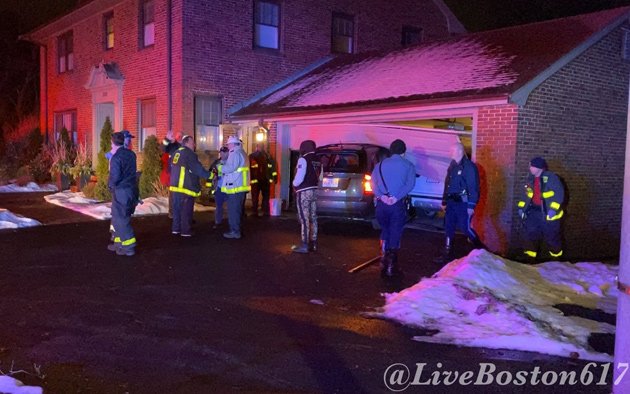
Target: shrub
{"type": "Point", "coordinates": [159, 190]}
{"type": "Point", "coordinates": [23, 176]}
{"type": "Point", "coordinates": [61, 158]}
{"type": "Point", "coordinates": [40, 166]}
{"type": "Point", "coordinates": [102, 164]}
{"type": "Point", "coordinates": [82, 165]}
{"type": "Point", "coordinates": [33, 146]}
{"type": "Point", "coordinates": [151, 166]}
{"type": "Point", "coordinates": [89, 191]}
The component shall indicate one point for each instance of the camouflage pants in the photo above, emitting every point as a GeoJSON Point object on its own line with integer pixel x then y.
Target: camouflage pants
{"type": "Point", "coordinates": [307, 214]}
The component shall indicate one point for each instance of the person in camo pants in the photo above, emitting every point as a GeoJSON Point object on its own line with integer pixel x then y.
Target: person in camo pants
{"type": "Point", "coordinates": [306, 182]}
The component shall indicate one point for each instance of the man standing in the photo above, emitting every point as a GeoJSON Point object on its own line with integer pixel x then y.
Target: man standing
{"type": "Point", "coordinates": [186, 170]}
{"type": "Point", "coordinates": [124, 189]}
{"type": "Point", "coordinates": [263, 174]}
{"type": "Point", "coordinates": [236, 185]}
{"type": "Point", "coordinates": [541, 210]}
{"type": "Point", "coordinates": [461, 195]}
{"type": "Point", "coordinates": [305, 183]}
{"type": "Point", "coordinates": [214, 184]}
{"type": "Point", "coordinates": [392, 179]}
{"type": "Point", "coordinates": [169, 145]}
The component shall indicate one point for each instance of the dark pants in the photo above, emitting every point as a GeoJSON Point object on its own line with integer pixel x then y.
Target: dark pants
{"type": "Point", "coordinates": [392, 220]}
{"type": "Point", "coordinates": [539, 229]}
{"type": "Point", "coordinates": [307, 214]}
{"type": "Point", "coordinates": [219, 199]}
{"type": "Point", "coordinates": [183, 206]}
{"type": "Point", "coordinates": [235, 210]}
{"type": "Point", "coordinates": [457, 218]}
{"type": "Point", "coordinates": [260, 187]}
{"type": "Point", "coordinates": [123, 205]}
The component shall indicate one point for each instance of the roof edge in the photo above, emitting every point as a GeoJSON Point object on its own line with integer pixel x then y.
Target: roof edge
{"type": "Point", "coordinates": [521, 95]}
{"type": "Point", "coordinates": [290, 79]}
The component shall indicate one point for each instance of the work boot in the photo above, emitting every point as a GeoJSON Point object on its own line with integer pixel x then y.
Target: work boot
{"type": "Point", "coordinates": [112, 247]}
{"type": "Point", "coordinates": [312, 246]}
{"type": "Point", "coordinates": [232, 235]}
{"type": "Point", "coordinates": [447, 254]}
{"type": "Point", "coordinates": [390, 269]}
{"type": "Point", "coordinates": [302, 248]}
{"type": "Point", "coordinates": [122, 251]}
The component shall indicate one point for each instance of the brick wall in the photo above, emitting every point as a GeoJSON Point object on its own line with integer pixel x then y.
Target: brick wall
{"type": "Point", "coordinates": [576, 120]}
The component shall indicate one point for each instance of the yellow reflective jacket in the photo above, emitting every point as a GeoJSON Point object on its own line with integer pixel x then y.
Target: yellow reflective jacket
{"type": "Point", "coordinates": [236, 172]}
{"type": "Point", "coordinates": [552, 195]}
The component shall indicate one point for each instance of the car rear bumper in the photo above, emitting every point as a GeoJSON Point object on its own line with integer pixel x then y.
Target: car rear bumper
{"type": "Point", "coordinates": [427, 203]}
{"type": "Point", "coordinates": [344, 208]}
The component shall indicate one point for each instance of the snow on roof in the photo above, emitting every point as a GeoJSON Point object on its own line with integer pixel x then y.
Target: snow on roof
{"type": "Point", "coordinates": [496, 62]}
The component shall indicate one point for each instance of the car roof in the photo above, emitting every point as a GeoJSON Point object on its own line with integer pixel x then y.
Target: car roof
{"type": "Point", "coordinates": [354, 146]}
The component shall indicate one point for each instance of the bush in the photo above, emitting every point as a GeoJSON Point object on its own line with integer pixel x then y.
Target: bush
{"type": "Point", "coordinates": [102, 164]}
{"type": "Point", "coordinates": [151, 166]}
{"type": "Point", "coordinates": [33, 146]}
{"type": "Point", "coordinates": [40, 166]}
{"type": "Point", "coordinates": [89, 191]}
{"type": "Point", "coordinates": [23, 176]}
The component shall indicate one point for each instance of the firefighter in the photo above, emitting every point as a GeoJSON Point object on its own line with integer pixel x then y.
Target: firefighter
{"type": "Point", "coordinates": [214, 184]}
{"type": "Point", "coordinates": [186, 170]}
{"type": "Point", "coordinates": [263, 174]}
{"type": "Point", "coordinates": [124, 189]}
{"type": "Point", "coordinates": [461, 195]}
{"type": "Point", "coordinates": [235, 184]}
{"type": "Point", "coordinates": [540, 209]}
{"type": "Point", "coordinates": [169, 145]}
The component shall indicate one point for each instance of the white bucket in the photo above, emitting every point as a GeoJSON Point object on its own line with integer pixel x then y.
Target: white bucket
{"type": "Point", "coordinates": [275, 206]}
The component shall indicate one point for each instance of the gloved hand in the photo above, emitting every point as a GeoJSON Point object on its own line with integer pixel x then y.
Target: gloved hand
{"type": "Point", "coordinates": [521, 214]}
{"type": "Point", "coordinates": [471, 211]}
{"type": "Point", "coordinates": [551, 213]}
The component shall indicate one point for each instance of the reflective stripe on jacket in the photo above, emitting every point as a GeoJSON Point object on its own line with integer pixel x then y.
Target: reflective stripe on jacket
{"type": "Point", "coordinates": [551, 193]}
{"type": "Point", "coordinates": [236, 173]}
{"type": "Point", "coordinates": [186, 169]}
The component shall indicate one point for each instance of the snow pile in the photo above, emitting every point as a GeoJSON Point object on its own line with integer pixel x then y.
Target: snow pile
{"type": "Point", "coordinates": [9, 385]}
{"type": "Point", "coordinates": [485, 301]}
{"type": "Point", "coordinates": [102, 210]}
{"type": "Point", "coordinates": [10, 220]}
{"type": "Point", "coordinates": [30, 187]}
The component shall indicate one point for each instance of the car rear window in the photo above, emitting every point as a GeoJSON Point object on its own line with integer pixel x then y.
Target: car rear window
{"type": "Point", "coordinates": [347, 162]}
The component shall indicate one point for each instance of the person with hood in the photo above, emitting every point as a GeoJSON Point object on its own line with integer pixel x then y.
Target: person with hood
{"type": "Point", "coordinates": [305, 182]}
{"type": "Point", "coordinates": [540, 208]}
{"type": "Point", "coordinates": [123, 186]}
{"type": "Point", "coordinates": [186, 171]}
{"type": "Point", "coordinates": [392, 179]}
{"type": "Point", "coordinates": [235, 185]}
{"type": "Point", "coordinates": [461, 195]}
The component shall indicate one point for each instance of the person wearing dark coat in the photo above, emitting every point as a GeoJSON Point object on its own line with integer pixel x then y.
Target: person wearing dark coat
{"type": "Point", "coordinates": [124, 189]}
{"type": "Point", "coordinates": [169, 145]}
{"type": "Point", "coordinates": [186, 172]}
{"type": "Point", "coordinates": [392, 180]}
{"type": "Point", "coordinates": [461, 195]}
{"type": "Point", "coordinates": [306, 182]}
{"type": "Point", "coordinates": [540, 209]}
{"type": "Point", "coordinates": [263, 174]}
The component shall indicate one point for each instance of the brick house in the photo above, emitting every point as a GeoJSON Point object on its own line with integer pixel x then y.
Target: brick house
{"type": "Point", "coordinates": [159, 65]}
{"type": "Point", "coordinates": [557, 89]}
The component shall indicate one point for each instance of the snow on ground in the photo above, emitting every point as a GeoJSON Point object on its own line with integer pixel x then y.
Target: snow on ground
{"type": "Point", "coordinates": [483, 300]}
{"type": "Point", "coordinates": [102, 210]}
{"type": "Point", "coordinates": [9, 219]}
{"type": "Point", "coordinates": [9, 385]}
{"type": "Point", "coordinates": [30, 187]}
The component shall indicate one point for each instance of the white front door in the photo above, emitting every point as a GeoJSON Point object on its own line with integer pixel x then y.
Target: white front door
{"type": "Point", "coordinates": [102, 111]}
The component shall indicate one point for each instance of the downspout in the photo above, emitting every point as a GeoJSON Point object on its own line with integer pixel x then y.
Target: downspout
{"type": "Point", "coordinates": [43, 94]}
{"type": "Point", "coordinates": [169, 63]}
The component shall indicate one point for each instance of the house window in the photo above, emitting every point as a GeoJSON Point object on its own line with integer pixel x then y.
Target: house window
{"type": "Point", "coordinates": [267, 25]}
{"type": "Point", "coordinates": [147, 120]}
{"type": "Point", "coordinates": [342, 33]}
{"type": "Point", "coordinates": [67, 120]}
{"type": "Point", "coordinates": [65, 56]}
{"type": "Point", "coordinates": [148, 23]}
{"type": "Point", "coordinates": [108, 22]}
{"type": "Point", "coordinates": [208, 116]}
{"type": "Point", "coordinates": [411, 36]}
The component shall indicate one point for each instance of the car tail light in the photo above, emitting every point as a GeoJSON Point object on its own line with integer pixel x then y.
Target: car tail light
{"type": "Point", "coordinates": [367, 185]}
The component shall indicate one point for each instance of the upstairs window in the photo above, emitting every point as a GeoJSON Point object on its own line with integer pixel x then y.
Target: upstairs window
{"type": "Point", "coordinates": [108, 24]}
{"type": "Point", "coordinates": [342, 33]}
{"type": "Point", "coordinates": [411, 36]}
{"type": "Point", "coordinates": [208, 117]}
{"type": "Point", "coordinates": [148, 23]}
{"type": "Point", "coordinates": [267, 25]}
{"type": "Point", "coordinates": [147, 120]}
{"type": "Point", "coordinates": [65, 57]}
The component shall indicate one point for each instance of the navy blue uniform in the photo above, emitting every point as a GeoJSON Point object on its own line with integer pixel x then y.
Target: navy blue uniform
{"type": "Point", "coordinates": [124, 188]}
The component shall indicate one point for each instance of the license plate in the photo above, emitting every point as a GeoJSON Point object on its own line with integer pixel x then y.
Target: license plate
{"type": "Point", "coordinates": [330, 182]}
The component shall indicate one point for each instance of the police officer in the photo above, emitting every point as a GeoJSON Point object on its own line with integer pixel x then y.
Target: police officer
{"type": "Point", "coordinates": [214, 184]}
{"type": "Point", "coordinates": [236, 185]}
{"type": "Point", "coordinates": [124, 189]}
{"type": "Point", "coordinates": [263, 174]}
{"type": "Point", "coordinates": [186, 170]}
{"type": "Point", "coordinates": [461, 195]}
{"type": "Point", "coordinates": [540, 208]}
{"type": "Point", "coordinates": [392, 179]}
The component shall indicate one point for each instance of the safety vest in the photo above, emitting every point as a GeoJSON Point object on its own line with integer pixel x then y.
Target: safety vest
{"type": "Point", "coordinates": [233, 187]}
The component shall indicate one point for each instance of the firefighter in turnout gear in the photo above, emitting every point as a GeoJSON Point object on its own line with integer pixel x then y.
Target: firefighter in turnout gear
{"type": "Point", "coordinates": [541, 210]}
{"type": "Point", "coordinates": [263, 174]}
{"type": "Point", "coordinates": [235, 184]}
{"type": "Point", "coordinates": [461, 195]}
{"type": "Point", "coordinates": [214, 184]}
{"type": "Point", "coordinates": [123, 186]}
{"type": "Point", "coordinates": [186, 171]}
